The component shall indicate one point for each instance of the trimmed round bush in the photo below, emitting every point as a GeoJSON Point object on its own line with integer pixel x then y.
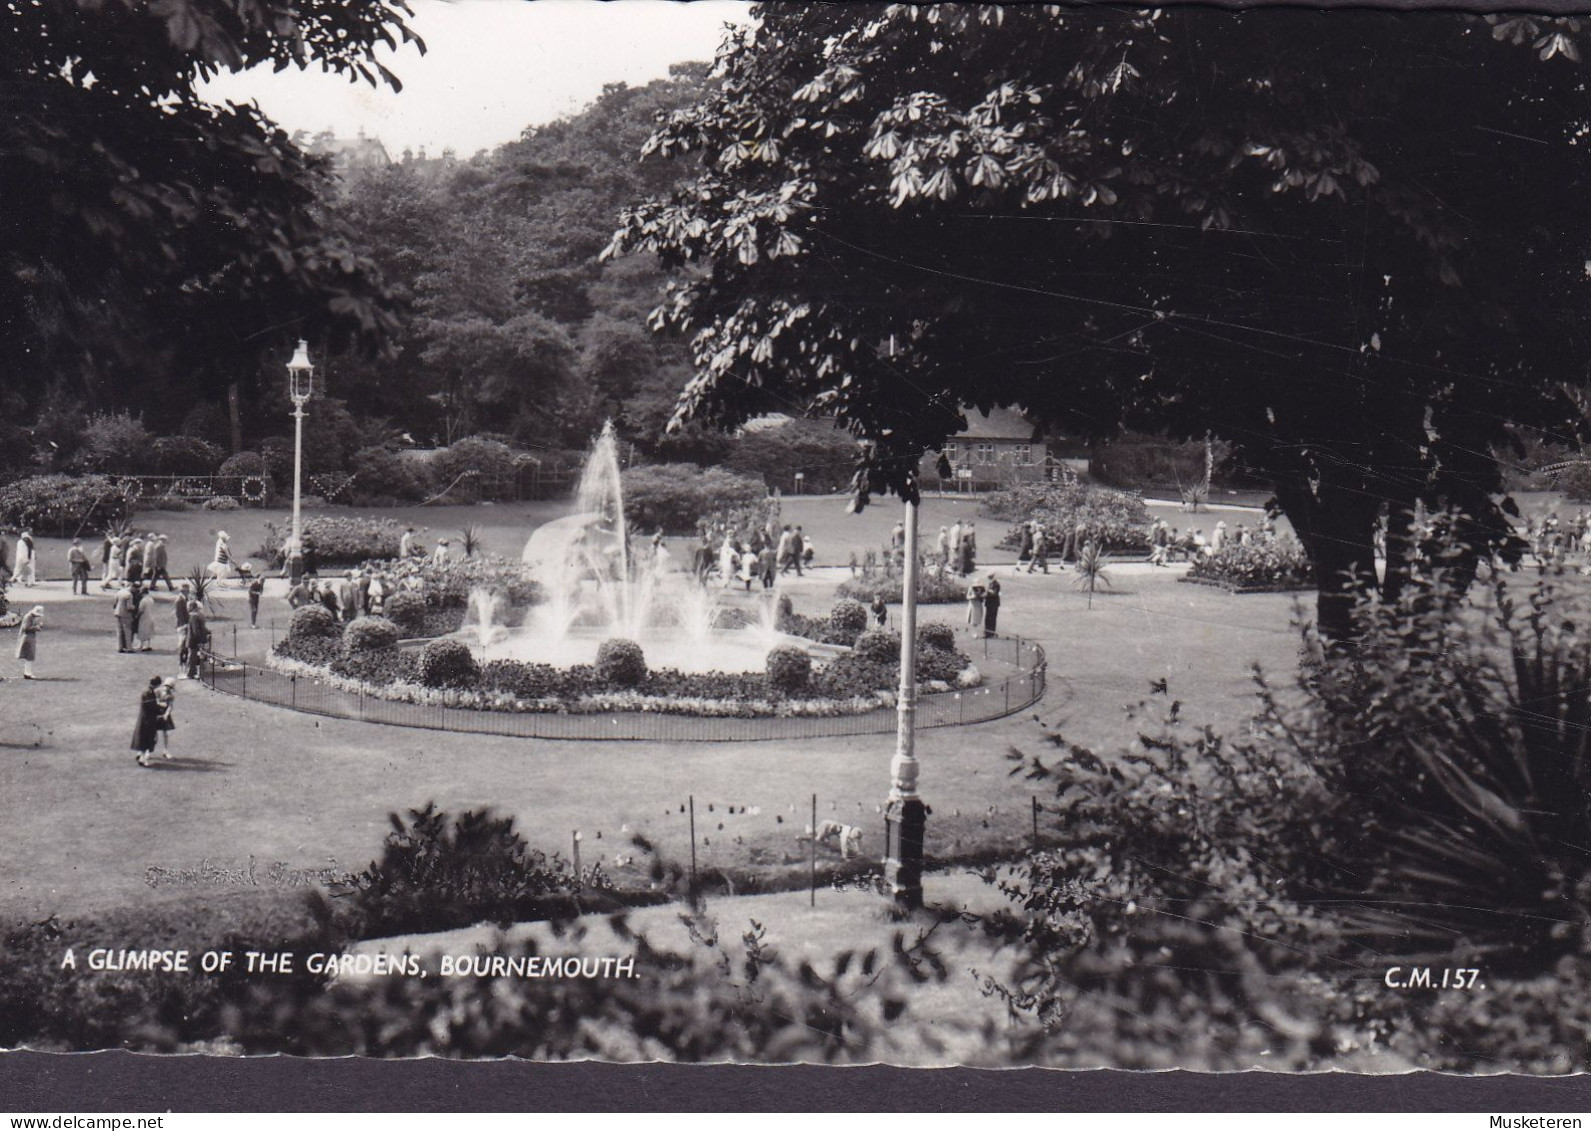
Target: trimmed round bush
{"type": "Point", "coordinates": [789, 669]}
{"type": "Point", "coordinates": [621, 663]}
{"type": "Point", "coordinates": [882, 647]}
{"type": "Point", "coordinates": [407, 611]}
{"type": "Point", "coordinates": [312, 621]}
{"type": "Point", "coordinates": [939, 663]}
{"type": "Point", "coordinates": [244, 463]}
{"type": "Point", "coordinates": [448, 663]}
{"type": "Point", "coordinates": [370, 634]}
{"type": "Point", "coordinates": [848, 618]}
{"type": "Point", "coordinates": [936, 635]}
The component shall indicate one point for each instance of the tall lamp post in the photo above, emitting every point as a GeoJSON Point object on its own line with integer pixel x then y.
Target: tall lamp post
{"type": "Point", "coordinates": [905, 815]}
{"type": "Point", "coordinates": [300, 387]}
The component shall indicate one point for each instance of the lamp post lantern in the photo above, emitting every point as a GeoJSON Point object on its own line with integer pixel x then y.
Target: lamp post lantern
{"type": "Point", "coordinates": [905, 815]}
{"type": "Point", "coordinates": [300, 387]}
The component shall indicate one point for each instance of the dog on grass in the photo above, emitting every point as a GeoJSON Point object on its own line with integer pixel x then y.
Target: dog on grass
{"type": "Point", "coordinates": [847, 838]}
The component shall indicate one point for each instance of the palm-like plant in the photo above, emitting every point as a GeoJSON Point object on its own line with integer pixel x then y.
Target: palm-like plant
{"type": "Point", "coordinates": [203, 587]}
{"type": "Point", "coordinates": [1091, 572]}
{"type": "Point", "coordinates": [470, 538]}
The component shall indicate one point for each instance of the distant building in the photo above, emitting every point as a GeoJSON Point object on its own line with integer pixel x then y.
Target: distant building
{"type": "Point", "coordinates": [994, 451]}
{"type": "Point", "coordinates": [351, 154]}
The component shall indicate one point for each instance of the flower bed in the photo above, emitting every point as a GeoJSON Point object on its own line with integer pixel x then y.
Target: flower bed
{"type": "Point", "coordinates": [850, 684]}
{"type": "Point", "coordinates": [62, 504]}
{"type": "Point", "coordinates": [1273, 566]}
{"type": "Point", "coordinates": [1117, 521]}
{"type": "Point", "coordinates": [932, 588]}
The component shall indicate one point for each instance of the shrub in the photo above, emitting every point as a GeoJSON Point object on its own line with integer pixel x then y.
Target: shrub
{"type": "Point", "coordinates": [1115, 520]}
{"type": "Point", "coordinates": [474, 468]}
{"type": "Point", "coordinates": [312, 621]}
{"type": "Point", "coordinates": [848, 618]}
{"type": "Point", "coordinates": [936, 635]}
{"type": "Point", "coordinates": [221, 503]}
{"type": "Point", "coordinates": [1272, 564]}
{"type": "Point", "coordinates": [853, 674]}
{"type": "Point", "coordinates": [62, 503]}
{"type": "Point", "coordinates": [318, 650]}
{"type": "Point", "coordinates": [932, 588]}
{"type": "Point", "coordinates": [789, 669]}
{"type": "Point", "coordinates": [877, 645]}
{"type": "Point", "coordinates": [243, 464]}
{"type": "Point", "coordinates": [448, 663]}
{"type": "Point", "coordinates": [1575, 482]}
{"type": "Point", "coordinates": [382, 666]}
{"type": "Point", "coordinates": [380, 473]}
{"type": "Point", "coordinates": [676, 497]}
{"type": "Point", "coordinates": [451, 583]}
{"type": "Point", "coordinates": [438, 871]}
{"type": "Point", "coordinates": [185, 455]}
{"type": "Point", "coordinates": [407, 611]}
{"type": "Point", "coordinates": [935, 663]}
{"type": "Point", "coordinates": [621, 663]}
{"type": "Point", "coordinates": [336, 540]}
{"type": "Point", "coordinates": [369, 634]}
{"type": "Point", "coordinates": [115, 442]}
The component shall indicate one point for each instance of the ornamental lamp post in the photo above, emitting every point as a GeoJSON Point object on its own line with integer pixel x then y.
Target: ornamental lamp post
{"type": "Point", "coordinates": [905, 815]}
{"type": "Point", "coordinates": [300, 387]}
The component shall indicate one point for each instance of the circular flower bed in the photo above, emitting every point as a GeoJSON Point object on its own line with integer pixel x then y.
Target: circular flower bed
{"type": "Point", "coordinates": [446, 673]}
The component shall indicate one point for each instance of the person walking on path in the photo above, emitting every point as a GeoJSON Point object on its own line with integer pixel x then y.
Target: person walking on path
{"type": "Point", "coordinates": [77, 559]}
{"type": "Point", "coordinates": [975, 596]}
{"type": "Point", "coordinates": [182, 624]}
{"type": "Point", "coordinates": [146, 620]}
{"type": "Point", "coordinates": [1041, 549]}
{"type": "Point", "coordinates": [133, 560]}
{"type": "Point", "coordinates": [953, 558]}
{"type": "Point", "coordinates": [944, 548]}
{"type": "Point", "coordinates": [165, 723]}
{"type": "Point", "coordinates": [159, 558]}
{"type": "Point", "coordinates": [991, 606]}
{"type": "Point", "coordinates": [766, 565]}
{"type": "Point", "coordinates": [256, 588]}
{"type": "Point", "coordinates": [125, 611]}
{"type": "Point", "coordinates": [27, 559]}
{"type": "Point", "coordinates": [969, 550]}
{"type": "Point", "coordinates": [800, 550]}
{"type": "Point", "coordinates": [107, 560]}
{"type": "Point", "coordinates": [28, 639]}
{"type": "Point", "coordinates": [148, 724]}
{"type": "Point", "coordinates": [880, 611]}
{"type": "Point", "coordinates": [5, 557]}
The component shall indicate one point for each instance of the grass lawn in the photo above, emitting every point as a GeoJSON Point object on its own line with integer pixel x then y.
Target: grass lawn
{"type": "Point", "coordinates": [253, 781]}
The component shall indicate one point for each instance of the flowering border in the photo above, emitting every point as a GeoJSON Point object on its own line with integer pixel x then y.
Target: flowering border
{"type": "Point", "coordinates": [615, 702]}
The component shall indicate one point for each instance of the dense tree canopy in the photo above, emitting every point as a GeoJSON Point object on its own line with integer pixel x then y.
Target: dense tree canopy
{"type": "Point", "coordinates": [1352, 243]}
{"type": "Point", "coordinates": [152, 244]}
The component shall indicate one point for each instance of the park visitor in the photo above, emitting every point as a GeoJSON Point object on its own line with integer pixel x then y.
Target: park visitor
{"type": "Point", "coordinates": [198, 636]}
{"type": "Point", "coordinates": [28, 639]}
{"type": "Point", "coordinates": [953, 558]}
{"type": "Point", "coordinates": [1041, 549]}
{"type": "Point", "coordinates": [944, 548]}
{"type": "Point", "coordinates": [147, 725]}
{"type": "Point", "coordinates": [27, 560]}
{"type": "Point", "coordinates": [969, 550]}
{"type": "Point", "coordinates": [182, 624]}
{"type": "Point", "coordinates": [158, 560]}
{"type": "Point", "coordinates": [145, 620]}
{"type": "Point", "coordinates": [256, 588]}
{"type": "Point", "coordinates": [991, 606]}
{"type": "Point", "coordinates": [77, 560]}
{"type": "Point", "coordinates": [124, 610]}
{"type": "Point", "coordinates": [5, 557]}
{"type": "Point", "coordinates": [975, 595]}
{"type": "Point", "coordinates": [133, 560]}
{"type": "Point", "coordinates": [880, 611]}
{"type": "Point", "coordinates": [165, 723]}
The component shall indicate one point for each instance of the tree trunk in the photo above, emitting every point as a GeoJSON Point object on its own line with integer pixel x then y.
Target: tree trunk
{"type": "Point", "coordinates": [1400, 548]}
{"type": "Point", "coordinates": [235, 416]}
{"type": "Point", "coordinates": [1336, 526]}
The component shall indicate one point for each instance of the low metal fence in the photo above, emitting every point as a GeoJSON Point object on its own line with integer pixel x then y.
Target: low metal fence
{"type": "Point", "coordinates": [1022, 684]}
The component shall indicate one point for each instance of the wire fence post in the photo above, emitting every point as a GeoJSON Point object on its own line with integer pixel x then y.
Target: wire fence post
{"type": "Point", "coordinates": [814, 852]}
{"type": "Point", "coordinates": [234, 641]}
{"type": "Point", "coordinates": [1035, 823]}
{"type": "Point", "coordinates": [693, 839]}
{"type": "Point", "coordinates": [574, 841]}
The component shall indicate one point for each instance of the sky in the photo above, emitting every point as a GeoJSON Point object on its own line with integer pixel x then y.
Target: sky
{"type": "Point", "coordinates": [492, 68]}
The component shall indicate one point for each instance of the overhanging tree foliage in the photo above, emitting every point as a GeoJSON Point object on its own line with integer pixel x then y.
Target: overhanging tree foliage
{"type": "Point", "coordinates": [147, 233]}
{"type": "Point", "coordinates": [1353, 244]}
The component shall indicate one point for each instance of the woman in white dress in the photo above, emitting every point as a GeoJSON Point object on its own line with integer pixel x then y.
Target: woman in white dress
{"type": "Point", "coordinates": [146, 621]}
{"type": "Point", "coordinates": [221, 567]}
{"type": "Point", "coordinates": [728, 561]}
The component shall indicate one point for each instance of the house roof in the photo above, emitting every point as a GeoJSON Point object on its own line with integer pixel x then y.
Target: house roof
{"type": "Point", "coordinates": [999, 424]}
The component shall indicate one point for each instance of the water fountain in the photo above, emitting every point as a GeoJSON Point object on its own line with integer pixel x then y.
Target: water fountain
{"type": "Point", "coordinates": [597, 587]}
